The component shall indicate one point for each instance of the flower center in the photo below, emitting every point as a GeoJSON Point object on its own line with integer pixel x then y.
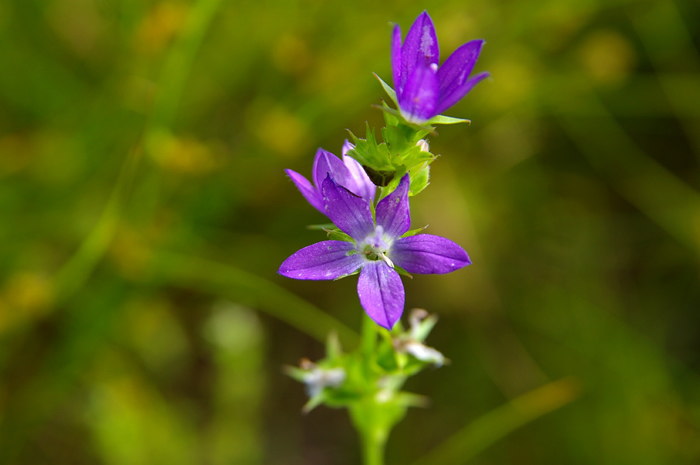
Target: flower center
{"type": "Point", "coordinates": [376, 247]}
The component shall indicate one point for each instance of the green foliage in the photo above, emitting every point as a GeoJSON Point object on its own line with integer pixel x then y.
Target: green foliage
{"type": "Point", "coordinates": [402, 151]}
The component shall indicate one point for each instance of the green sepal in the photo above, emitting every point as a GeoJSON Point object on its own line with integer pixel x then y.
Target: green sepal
{"type": "Point", "coordinates": [295, 373]}
{"type": "Point", "coordinates": [370, 153]}
{"type": "Point", "coordinates": [313, 402]}
{"type": "Point", "coordinates": [400, 152]}
{"type": "Point", "coordinates": [442, 119]}
{"type": "Point", "coordinates": [439, 119]}
{"type": "Point", "coordinates": [331, 231]}
{"type": "Point", "coordinates": [388, 89]}
{"type": "Point", "coordinates": [420, 178]}
{"type": "Point", "coordinates": [413, 232]}
{"type": "Point", "coordinates": [421, 331]}
{"type": "Point", "coordinates": [320, 227]}
{"type": "Point", "coordinates": [402, 272]}
{"type": "Point", "coordinates": [336, 234]}
{"type": "Point", "coordinates": [408, 399]}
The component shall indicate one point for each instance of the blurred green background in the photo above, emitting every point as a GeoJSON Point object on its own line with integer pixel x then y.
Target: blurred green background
{"type": "Point", "coordinates": [144, 213]}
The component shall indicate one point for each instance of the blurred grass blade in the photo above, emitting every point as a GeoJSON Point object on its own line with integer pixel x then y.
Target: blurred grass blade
{"type": "Point", "coordinates": [495, 425]}
{"type": "Point", "coordinates": [178, 64]}
{"type": "Point", "coordinates": [645, 183]}
{"type": "Point", "coordinates": [665, 19]}
{"type": "Point", "coordinates": [243, 287]}
{"type": "Point", "coordinates": [78, 268]}
{"type": "Point", "coordinates": [172, 82]}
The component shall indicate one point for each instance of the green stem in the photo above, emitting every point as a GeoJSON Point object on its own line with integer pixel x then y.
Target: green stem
{"type": "Point", "coordinates": [367, 416]}
{"type": "Point", "coordinates": [373, 442]}
{"type": "Point", "coordinates": [369, 339]}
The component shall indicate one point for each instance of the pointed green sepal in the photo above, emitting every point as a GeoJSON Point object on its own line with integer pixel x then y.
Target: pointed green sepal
{"type": "Point", "coordinates": [388, 89]}
{"type": "Point", "coordinates": [442, 119]}
{"type": "Point", "coordinates": [336, 234]}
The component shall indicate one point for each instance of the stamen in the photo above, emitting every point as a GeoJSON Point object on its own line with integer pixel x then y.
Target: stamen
{"type": "Point", "coordinates": [386, 259]}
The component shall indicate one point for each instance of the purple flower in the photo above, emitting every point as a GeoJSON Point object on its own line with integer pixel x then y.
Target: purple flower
{"type": "Point", "coordinates": [348, 173]}
{"type": "Point", "coordinates": [424, 89]}
{"type": "Point", "coordinates": [375, 250]}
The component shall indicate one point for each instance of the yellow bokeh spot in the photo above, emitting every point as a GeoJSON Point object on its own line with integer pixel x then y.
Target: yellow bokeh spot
{"type": "Point", "coordinates": [183, 155]}
{"type": "Point", "coordinates": [511, 83]}
{"type": "Point", "coordinates": [291, 54]}
{"type": "Point", "coordinates": [281, 131]}
{"type": "Point", "coordinates": [130, 252]}
{"type": "Point", "coordinates": [159, 26]}
{"type": "Point", "coordinates": [25, 297]}
{"type": "Point", "coordinates": [16, 152]}
{"type": "Point", "coordinates": [607, 57]}
{"type": "Point", "coordinates": [79, 25]}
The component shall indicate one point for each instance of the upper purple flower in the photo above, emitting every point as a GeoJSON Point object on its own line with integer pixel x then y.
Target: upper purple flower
{"type": "Point", "coordinates": [375, 249]}
{"type": "Point", "coordinates": [348, 173]}
{"type": "Point", "coordinates": [424, 89]}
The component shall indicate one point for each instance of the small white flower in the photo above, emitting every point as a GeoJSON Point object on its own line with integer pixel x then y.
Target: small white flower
{"type": "Point", "coordinates": [425, 353]}
{"type": "Point", "coordinates": [317, 379]}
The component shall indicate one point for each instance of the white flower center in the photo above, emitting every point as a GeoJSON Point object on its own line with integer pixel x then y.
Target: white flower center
{"type": "Point", "coordinates": [377, 246]}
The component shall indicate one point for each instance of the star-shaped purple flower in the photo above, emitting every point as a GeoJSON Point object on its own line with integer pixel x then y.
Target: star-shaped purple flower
{"type": "Point", "coordinates": [376, 249]}
{"type": "Point", "coordinates": [424, 89]}
{"type": "Point", "coordinates": [348, 173]}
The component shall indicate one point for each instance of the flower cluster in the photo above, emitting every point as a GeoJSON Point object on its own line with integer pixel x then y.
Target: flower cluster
{"type": "Point", "coordinates": [373, 238]}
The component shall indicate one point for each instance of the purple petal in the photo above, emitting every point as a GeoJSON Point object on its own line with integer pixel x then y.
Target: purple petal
{"type": "Point", "coordinates": [381, 293]}
{"type": "Point", "coordinates": [456, 69]}
{"type": "Point", "coordinates": [310, 193]}
{"type": "Point", "coordinates": [396, 57]}
{"type": "Point", "coordinates": [456, 95]}
{"type": "Point", "coordinates": [428, 254]}
{"type": "Point", "coordinates": [419, 98]}
{"type": "Point", "coordinates": [347, 146]}
{"type": "Point", "coordinates": [347, 173]}
{"type": "Point", "coordinates": [327, 163]}
{"type": "Point", "coordinates": [420, 48]}
{"type": "Point", "coordinates": [358, 181]}
{"type": "Point", "coordinates": [323, 260]}
{"type": "Point", "coordinates": [393, 212]}
{"type": "Point", "coordinates": [348, 211]}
